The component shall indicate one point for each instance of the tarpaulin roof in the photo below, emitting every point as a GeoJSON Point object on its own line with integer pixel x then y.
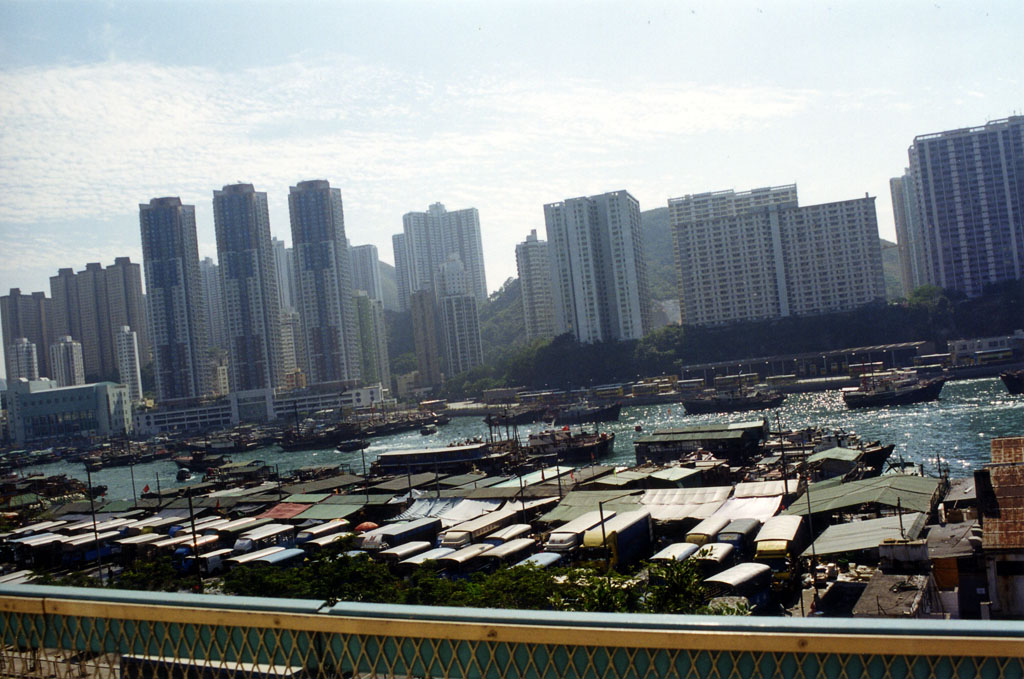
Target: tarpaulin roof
{"type": "Point", "coordinates": [284, 510]}
{"type": "Point", "coordinates": [679, 504]}
{"type": "Point", "coordinates": [764, 488]}
{"type": "Point", "coordinates": [678, 496]}
{"type": "Point", "coordinates": [914, 493]}
{"type": "Point", "coordinates": [760, 508]}
{"type": "Point", "coordinates": [579, 502]}
{"type": "Point", "coordinates": [858, 535]}
{"type": "Point", "coordinates": [428, 507]}
{"type": "Point", "coordinates": [466, 510]}
{"type": "Point", "coordinates": [837, 453]}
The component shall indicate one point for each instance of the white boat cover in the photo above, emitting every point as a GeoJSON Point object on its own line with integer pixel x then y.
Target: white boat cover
{"type": "Point", "coordinates": [678, 504]}
{"type": "Point", "coordinates": [760, 508]}
{"type": "Point", "coordinates": [427, 507]}
{"type": "Point", "coordinates": [466, 510]}
{"type": "Point", "coordinates": [764, 488]}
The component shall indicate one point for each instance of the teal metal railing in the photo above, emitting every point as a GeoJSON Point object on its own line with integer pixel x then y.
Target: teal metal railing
{"type": "Point", "coordinates": [74, 632]}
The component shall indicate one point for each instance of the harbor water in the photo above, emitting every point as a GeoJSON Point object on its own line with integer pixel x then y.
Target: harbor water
{"type": "Point", "coordinates": [955, 430]}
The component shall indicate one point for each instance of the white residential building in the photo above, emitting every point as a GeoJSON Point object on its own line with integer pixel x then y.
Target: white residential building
{"type": "Point", "coordinates": [366, 271]}
{"type": "Point", "coordinates": [128, 362]}
{"type": "Point", "coordinates": [66, 362]}
{"type": "Point", "coordinates": [534, 267]}
{"type": "Point", "coordinates": [22, 360]}
{"type": "Point", "coordinates": [759, 255]}
{"type": "Point", "coordinates": [431, 237]}
{"type": "Point", "coordinates": [284, 269]}
{"type": "Point", "coordinates": [599, 273]}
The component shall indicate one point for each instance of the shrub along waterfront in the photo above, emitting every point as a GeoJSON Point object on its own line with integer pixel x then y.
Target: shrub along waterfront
{"type": "Point", "coordinates": [332, 575]}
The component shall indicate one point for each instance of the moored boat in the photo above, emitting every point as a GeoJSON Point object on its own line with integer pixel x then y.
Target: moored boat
{"type": "Point", "coordinates": [352, 445]}
{"type": "Point", "coordinates": [584, 412]}
{"type": "Point", "coordinates": [892, 388]}
{"type": "Point", "coordinates": [566, 446]}
{"type": "Point", "coordinates": [716, 401]}
{"type": "Point", "coordinates": [1014, 381]}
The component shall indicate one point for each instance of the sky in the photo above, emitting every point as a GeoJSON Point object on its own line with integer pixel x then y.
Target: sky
{"type": "Point", "coordinates": [502, 106]}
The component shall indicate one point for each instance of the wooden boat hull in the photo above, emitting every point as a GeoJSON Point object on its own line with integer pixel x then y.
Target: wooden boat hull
{"type": "Point", "coordinates": [1013, 380]}
{"type": "Point", "coordinates": [926, 391]}
{"type": "Point", "coordinates": [701, 406]}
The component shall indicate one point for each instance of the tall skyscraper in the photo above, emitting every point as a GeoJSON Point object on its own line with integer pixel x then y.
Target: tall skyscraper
{"type": "Point", "coordinates": [126, 303]}
{"type": "Point", "coordinates": [968, 187]}
{"type": "Point", "coordinates": [68, 366]}
{"type": "Point", "coordinates": [284, 267]}
{"type": "Point", "coordinates": [759, 255]}
{"type": "Point", "coordinates": [252, 306]}
{"type": "Point", "coordinates": [432, 237]}
{"type": "Point", "coordinates": [22, 360]}
{"type": "Point", "coordinates": [95, 321]}
{"type": "Point", "coordinates": [373, 340]}
{"type": "Point", "coordinates": [66, 318]}
{"type": "Point", "coordinates": [174, 299]}
{"type": "Point", "coordinates": [366, 271]}
{"type": "Point", "coordinates": [27, 316]}
{"type": "Point", "coordinates": [599, 272]}
{"type": "Point", "coordinates": [534, 267]}
{"type": "Point", "coordinates": [213, 305]}
{"type": "Point", "coordinates": [91, 305]}
{"type": "Point", "coordinates": [323, 280]}
{"type": "Point", "coordinates": [425, 338]}
{"type": "Point", "coordinates": [128, 362]}
{"type": "Point", "coordinates": [403, 281]}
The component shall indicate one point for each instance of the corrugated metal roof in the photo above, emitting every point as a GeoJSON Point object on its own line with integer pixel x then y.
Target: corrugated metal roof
{"type": "Point", "coordinates": [961, 490]}
{"type": "Point", "coordinates": [404, 482]}
{"type": "Point", "coordinates": [952, 540]}
{"type": "Point", "coordinates": [323, 485]}
{"type": "Point", "coordinates": [858, 535]}
{"type": "Point", "coordinates": [674, 474]}
{"type": "Point", "coordinates": [914, 493]}
{"type": "Point", "coordinates": [307, 498]}
{"type": "Point", "coordinates": [326, 512]}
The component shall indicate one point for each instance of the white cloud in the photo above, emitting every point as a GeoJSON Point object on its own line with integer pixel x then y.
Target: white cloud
{"type": "Point", "coordinates": [89, 142]}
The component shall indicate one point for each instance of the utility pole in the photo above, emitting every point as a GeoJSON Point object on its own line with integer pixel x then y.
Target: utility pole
{"type": "Point", "coordinates": [95, 531]}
